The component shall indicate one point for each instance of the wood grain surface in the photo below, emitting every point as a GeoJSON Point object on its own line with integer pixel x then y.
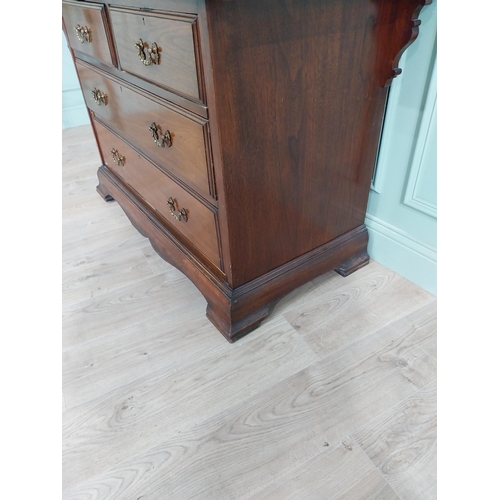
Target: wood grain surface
{"type": "Point", "coordinates": [402, 444]}
{"type": "Point", "coordinates": [131, 113]}
{"type": "Point", "coordinates": [299, 118]}
{"type": "Point", "coordinates": [174, 38]}
{"type": "Point", "coordinates": [340, 471]}
{"type": "Point", "coordinates": [93, 17]}
{"type": "Point", "coordinates": [156, 188]}
{"type": "Point", "coordinates": [333, 397]}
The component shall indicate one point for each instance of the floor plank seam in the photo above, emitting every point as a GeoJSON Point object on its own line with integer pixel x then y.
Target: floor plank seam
{"type": "Point", "coordinates": [143, 452]}
{"type": "Point", "coordinates": [115, 292]}
{"type": "Point", "coordinates": [101, 274]}
{"type": "Point", "coordinates": [428, 353]}
{"type": "Point", "coordinates": [87, 343]}
{"type": "Point", "coordinates": [364, 337]}
{"type": "Point", "coordinates": [288, 472]}
{"type": "Point", "coordinates": [400, 402]}
{"type": "Point", "coordinates": [139, 380]}
{"type": "Point", "coordinates": [332, 275]}
{"type": "Point", "coordinates": [378, 470]}
{"type": "Point", "coordinates": [373, 332]}
{"type": "Point", "coordinates": [190, 360]}
{"type": "Point", "coordinates": [388, 411]}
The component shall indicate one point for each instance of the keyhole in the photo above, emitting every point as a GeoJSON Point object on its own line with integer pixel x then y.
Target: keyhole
{"type": "Point", "coordinates": [143, 22]}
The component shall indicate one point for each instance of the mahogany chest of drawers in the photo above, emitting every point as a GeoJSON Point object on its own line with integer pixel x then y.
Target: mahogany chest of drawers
{"type": "Point", "coordinates": [240, 136]}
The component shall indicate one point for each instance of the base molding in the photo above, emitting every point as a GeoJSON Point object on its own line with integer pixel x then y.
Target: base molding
{"type": "Point", "coordinates": [392, 248]}
{"type": "Point", "coordinates": [236, 311]}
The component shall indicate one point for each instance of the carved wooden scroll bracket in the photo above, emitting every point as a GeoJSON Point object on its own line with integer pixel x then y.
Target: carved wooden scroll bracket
{"type": "Point", "coordinates": [396, 41]}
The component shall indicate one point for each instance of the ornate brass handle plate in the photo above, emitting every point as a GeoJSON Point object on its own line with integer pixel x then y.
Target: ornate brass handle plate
{"type": "Point", "coordinates": [99, 97]}
{"type": "Point", "coordinates": [181, 215]}
{"type": "Point", "coordinates": [117, 157]}
{"type": "Point", "coordinates": [161, 140]}
{"type": "Point", "coordinates": [148, 54]}
{"type": "Point", "coordinates": [83, 33]}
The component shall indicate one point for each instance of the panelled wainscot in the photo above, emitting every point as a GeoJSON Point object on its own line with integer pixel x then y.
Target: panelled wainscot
{"type": "Point", "coordinates": [240, 136]}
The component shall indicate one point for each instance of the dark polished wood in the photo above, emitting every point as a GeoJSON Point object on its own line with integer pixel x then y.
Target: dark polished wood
{"type": "Point", "coordinates": [169, 96]}
{"type": "Point", "coordinates": [131, 113]}
{"type": "Point", "coordinates": [352, 264]}
{"type": "Point", "coordinates": [278, 163]}
{"type": "Point", "coordinates": [235, 312]}
{"type": "Point", "coordinates": [299, 118]}
{"type": "Point", "coordinates": [92, 16]}
{"type": "Point", "coordinates": [173, 35]}
{"type": "Point", "coordinates": [153, 186]}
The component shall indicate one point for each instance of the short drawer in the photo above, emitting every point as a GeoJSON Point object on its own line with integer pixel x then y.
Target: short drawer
{"type": "Point", "coordinates": [88, 29]}
{"type": "Point", "coordinates": [159, 48]}
{"type": "Point", "coordinates": [135, 116]}
{"type": "Point", "coordinates": [196, 223]}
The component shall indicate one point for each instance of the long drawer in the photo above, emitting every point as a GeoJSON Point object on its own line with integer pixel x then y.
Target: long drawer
{"type": "Point", "coordinates": [180, 143]}
{"type": "Point", "coordinates": [184, 213]}
{"type": "Point", "coordinates": [88, 29]}
{"type": "Point", "coordinates": [159, 48]}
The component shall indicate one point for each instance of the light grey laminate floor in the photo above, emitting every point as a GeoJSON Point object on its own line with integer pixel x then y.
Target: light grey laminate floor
{"type": "Point", "coordinates": [333, 397]}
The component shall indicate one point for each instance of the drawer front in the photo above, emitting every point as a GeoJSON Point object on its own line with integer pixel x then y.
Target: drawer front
{"type": "Point", "coordinates": [87, 29]}
{"type": "Point", "coordinates": [156, 189]}
{"type": "Point", "coordinates": [159, 48]}
{"type": "Point", "coordinates": [132, 114]}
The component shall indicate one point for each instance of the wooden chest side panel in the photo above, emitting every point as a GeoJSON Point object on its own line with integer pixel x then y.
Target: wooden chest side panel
{"type": "Point", "coordinates": [299, 116]}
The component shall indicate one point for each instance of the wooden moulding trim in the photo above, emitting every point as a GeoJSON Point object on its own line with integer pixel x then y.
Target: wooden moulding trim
{"type": "Point", "coordinates": [234, 312]}
{"type": "Point", "coordinates": [202, 92]}
{"type": "Point", "coordinates": [396, 70]}
{"type": "Point", "coordinates": [145, 93]}
{"type": "Point", "coordinates": [209, 204]}
{"type": "Point", "coordinates": [206, 53]}
{"type": "Point", "coordinates": [110, 178]}
{"type": "Point", "coordinates": [252, 302]}
{"type": "Point", "coordinates": [176, 16]}
{"type": "Point", "coordinates": [109, 35]}
{"type": "Point", "coordinates": [179, 17]}
{"type": "Point", "coordinates": [301, 261]}
{"type": "Point", "coordinates": [170, 99]}
{"type": "Point", "coordinates": [357, 234]}
{"type": "Point", "coordinates": [174, 7]}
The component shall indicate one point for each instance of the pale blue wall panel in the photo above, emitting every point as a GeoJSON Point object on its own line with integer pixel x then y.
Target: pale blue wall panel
{"type": "Point", "coordinates": [421, 190]}
{"type": "Point", "coordinates": [402, 208]}
{"type": "Point", "coordinates": [74, 111]}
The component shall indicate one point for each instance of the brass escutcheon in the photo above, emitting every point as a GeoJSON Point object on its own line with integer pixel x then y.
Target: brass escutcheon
{"type": "Point", "coordinates": [148, 55]}
{"type": "Point", "coordinates": [117, 157]}
{"type": "Point", "coordinates": [158, 138]}
{"type": "Point", "coordinates": [99, 97]}
{"type": "Point", "coordinates": [83, 33]}
{"type": "Point", "coordinates": [181, 215]}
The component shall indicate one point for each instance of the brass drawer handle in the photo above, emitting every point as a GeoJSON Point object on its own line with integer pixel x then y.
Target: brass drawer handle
{"type": "Point", "coordinates": [83, 34]}
{"type": "Point", "coordinates": [117, 157]}
{"type": "Point", "coordinates": [181, 215]}
{"type": "Point", "coordinates": [99, 97]}
{"type": "Point", "coordinates": [148, 54]}
{"type": "Point", "coordinates": [158, 138]}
